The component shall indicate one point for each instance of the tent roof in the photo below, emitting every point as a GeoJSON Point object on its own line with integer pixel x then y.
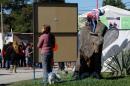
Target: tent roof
{"type": "Point", "coordinates": [111, 11]}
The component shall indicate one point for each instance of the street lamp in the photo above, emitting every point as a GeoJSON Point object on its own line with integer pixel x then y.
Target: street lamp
{"type": "Point", "coordinates": [34, 75]}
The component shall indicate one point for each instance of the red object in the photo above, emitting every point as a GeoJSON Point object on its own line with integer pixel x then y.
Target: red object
{"type": "Point", "coordinates": [55, 48]}
{"type": "Point", "coordinates": [3, 53]}
{"type": "Point", "coordinates": [90, 15]}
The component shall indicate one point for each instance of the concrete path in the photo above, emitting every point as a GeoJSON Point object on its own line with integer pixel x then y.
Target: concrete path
{"type": "Point", "coordinates": [22, 74]}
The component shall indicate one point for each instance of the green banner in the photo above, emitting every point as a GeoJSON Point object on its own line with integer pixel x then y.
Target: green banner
{"type": "Point", "coordinates": [125, 22]}
{"type": "Point", "coordinates": [104, 20]}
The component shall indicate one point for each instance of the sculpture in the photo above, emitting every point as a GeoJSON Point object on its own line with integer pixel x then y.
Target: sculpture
{"type": "Point", "coordinates": [90, 51]}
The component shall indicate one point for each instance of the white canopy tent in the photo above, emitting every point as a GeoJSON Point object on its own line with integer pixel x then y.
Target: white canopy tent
{"type": "Point", "coordinates": [111, 11]}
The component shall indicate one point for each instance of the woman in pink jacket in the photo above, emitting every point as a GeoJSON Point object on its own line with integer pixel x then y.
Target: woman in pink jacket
{"type": "Point", "coordinates": [46, 44]}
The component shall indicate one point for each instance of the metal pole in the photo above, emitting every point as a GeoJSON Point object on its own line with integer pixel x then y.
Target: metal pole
{"type": "Point", "coordinates": [97, 4]}
{"type": "Point", "coordinates": [2, 24]}
{"type": "Point", "coordinates": [33, 41]}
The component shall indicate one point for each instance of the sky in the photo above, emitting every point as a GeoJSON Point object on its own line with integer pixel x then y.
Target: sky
{"type": "Point", "coordinates": [86, 5]}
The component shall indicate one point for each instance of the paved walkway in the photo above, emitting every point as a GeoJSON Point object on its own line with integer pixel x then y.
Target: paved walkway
{"type": "Point", "coordinates": [22, 74]}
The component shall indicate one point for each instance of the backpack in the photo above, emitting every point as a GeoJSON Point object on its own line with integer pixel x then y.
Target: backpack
{"type": "Point", "coordinates": [16, 49]}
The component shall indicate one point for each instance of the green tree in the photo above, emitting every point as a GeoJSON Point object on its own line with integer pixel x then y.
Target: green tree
{"type": "Point", "coordinates": [116, 3]}
{"type": "Point", "coordinates": [17, 14]}
{"type": "Point", "coordinates": [19, 17]}
{"type": "Point", "coordinates": [4, 1]}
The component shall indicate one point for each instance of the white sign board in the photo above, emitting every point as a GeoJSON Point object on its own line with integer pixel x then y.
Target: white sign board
{"type": "Point", "coordinates": [1, 42]}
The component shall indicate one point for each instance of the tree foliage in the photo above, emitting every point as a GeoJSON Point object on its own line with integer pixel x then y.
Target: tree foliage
{"type": "Point", "coordinates": [17, 15]}
{"type": "Point", "coordinates": [116, 3]}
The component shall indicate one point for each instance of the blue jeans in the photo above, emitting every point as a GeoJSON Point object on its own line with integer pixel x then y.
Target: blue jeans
{"type": "Point", "coordinates": [46, 64]}
{"type": "Point", "coordinates": [7, 64]}
{"type": "Point", "coordinates": [93, 24]}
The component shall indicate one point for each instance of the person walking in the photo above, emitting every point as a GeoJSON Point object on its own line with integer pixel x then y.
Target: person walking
{"type": "Point", "coordinates": [22, 62]}
{"type": "Point", "coordinates": [3, 52]}
{"type": "Point", "coordinates": [46, 44]}
{"type": "Point", "coordinates": [14, 51]}
{"type": "Point", "coordinates": [6, 56]}
{"type": "Point", "coordinates": [29, 55]}
{"type": "Point", "coordinates": [0, 59]}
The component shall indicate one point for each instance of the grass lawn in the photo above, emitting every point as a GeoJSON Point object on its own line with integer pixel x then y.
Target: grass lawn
{"type": "Point", "coordinates": [109, 81]}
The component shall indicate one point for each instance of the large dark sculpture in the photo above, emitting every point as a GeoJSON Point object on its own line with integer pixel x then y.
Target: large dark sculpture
{"type": "Point", "coordinates": [90, 51]}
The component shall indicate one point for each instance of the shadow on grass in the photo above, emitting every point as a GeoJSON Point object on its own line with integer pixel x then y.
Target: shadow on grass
{"type": "Point", "coordinates": [114, 78]}
{"type": "Point", "coordinates": [63, 81]}
{"type": "Point", "coordinates": [4, 84]}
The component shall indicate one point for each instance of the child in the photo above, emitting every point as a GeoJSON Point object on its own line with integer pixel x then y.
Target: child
{"type": "Point", "coordinates": [93, 17]}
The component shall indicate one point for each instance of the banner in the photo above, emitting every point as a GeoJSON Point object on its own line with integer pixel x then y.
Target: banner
{"type": "Point", "coordinates": [125, 22]}
{"type": "Point", "coordinates": [120, 22]}
{"type": "Point", "coordinates": [114, 22]}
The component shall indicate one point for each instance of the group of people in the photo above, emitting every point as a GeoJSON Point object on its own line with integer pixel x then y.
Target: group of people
{"type": "Point", "coordinates": [113, 25]}
{"type": "Point", "coordinates": [16, 55]}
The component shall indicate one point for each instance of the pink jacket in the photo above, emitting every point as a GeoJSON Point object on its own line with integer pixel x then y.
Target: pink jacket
{"type": "Point", "coordinates": [45, 43]}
